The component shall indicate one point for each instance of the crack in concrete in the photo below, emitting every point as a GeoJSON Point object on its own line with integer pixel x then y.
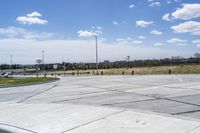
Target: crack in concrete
{"type": "Point", "coordinates": [193, 129]}
{"type": "Point", "coordinates": [38, 93]}
{"type": "Point", "coordinates": [187, 112]}
{"type": "Point", "coordinates": [181, 102]}
{"type": "Point", "coordinates": [103, 92]}
{"type": "Point", "coordinates": [185, 96]}
{"type": "Point", "coordinates": [131, 102]}
{"type": "Point", "coordinates": [21, 128]}
{"type": "Point", "coordinates": [163, 85]}
{"type": "Point", "coordinates": [93, 121]}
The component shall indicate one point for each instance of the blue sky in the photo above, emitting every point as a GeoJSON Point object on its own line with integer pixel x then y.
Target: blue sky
{"type": "Point", "coordinates": [143, 29]}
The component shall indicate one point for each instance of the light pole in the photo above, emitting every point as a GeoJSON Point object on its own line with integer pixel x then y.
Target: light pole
{"type": "Point", "coordinates": [62, 60]}
{"type": "Point", "coordinates": [128, 59]}
{"type": "Point", "coordinates": [97, 62]}
{"type": "Point", "coordinates": [96, 41]}
{"type": "Point", "coordinates": [43, 63]}
{"type": "Point", "coordinates": [38, 62]}
{"type": "Point", "coordinates": [11, 62]}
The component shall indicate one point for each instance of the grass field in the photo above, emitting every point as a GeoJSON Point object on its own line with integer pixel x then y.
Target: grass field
{"type": "Point", "coordinates": [21, 81]}
{"type": "Point", "coordinates": [179, 69]}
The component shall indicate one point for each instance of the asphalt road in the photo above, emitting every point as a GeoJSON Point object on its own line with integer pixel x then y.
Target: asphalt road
{"type": "Point", "coordinates": [97, 104]}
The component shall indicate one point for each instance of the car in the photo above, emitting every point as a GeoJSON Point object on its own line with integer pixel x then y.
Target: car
{"type": "Point", "coordinates": [6, 74]}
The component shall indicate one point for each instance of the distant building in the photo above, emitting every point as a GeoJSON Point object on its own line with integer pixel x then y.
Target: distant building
{"type": "Point", "coordinates": [106, 61]}
{"type": "Point", "coordinates": [177, 57]}
{"type": "Point", "coordinates": [197, 55]}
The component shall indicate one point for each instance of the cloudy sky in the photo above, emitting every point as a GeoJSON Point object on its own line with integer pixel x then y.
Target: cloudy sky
{"type": "Point", "coordinates": [65, 29]}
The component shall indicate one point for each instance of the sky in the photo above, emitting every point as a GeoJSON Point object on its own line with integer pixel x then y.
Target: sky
{"type": "Point", "coordinates": [65, 29]}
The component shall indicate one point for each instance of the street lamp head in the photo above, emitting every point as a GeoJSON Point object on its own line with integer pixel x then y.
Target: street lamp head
{"type": "Point", "coordinates": [94, 34]}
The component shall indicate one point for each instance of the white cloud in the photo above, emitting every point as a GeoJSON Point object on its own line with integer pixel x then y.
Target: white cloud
{"type": "Point", "coordinates": [155, 4]}
{"type": "Point", "coordinates": [26, 47]}
{"type": "Point", "coordinates": [28, 51]}
{"type": "Point", "coordinates": [177, 41]}
{"type": "Point", "coordinates": [85, 33]}
{"type": "Point", "coordinates": [27, 20]}
{"type": "Point", "coordinates": [15, 32]}
{"type": "Point", "coordinates": [191, 27]}
{"type": "Point", "coordinates": [141, 37]}
{"type": "Point", "coordinates": [34, 14]}
{"type": "Point", "coordinates": [115, 23]}
{"type": "Point", "coordinates": [143, 23]}
{"type": "Point", "coordinates": [170, 1]}
{"type": "Point", "coordinates": [128, 41]}
{"type": "Point", "coordinates": [99, 28]}
{"type": "Point", "coordinates": [177, 0]}
{"type": "Point", "coordinates": [124, 41]}
{"type": "Point", "coordinates": [98, 32]}
{"type": "Point", "coordinates": [197, 43]}
{"type": "Point", "coordinates": [32, 18]}
{"type": "Point", "coordinates": [156, 32]}
{"type": "Point", "coordinates": [137, 42]}
{"type": "Point", "coordinates": [120, 39]}
{"type": "Point", "coordinates": [131, 6]}
{"type": "Point", "coordinates": [95, 30]}
{"type": "Point", "coordinates": [187, 12]}
{"type": "Point", "coordinates": [166, 17]}
{"type": "Point", "coordinates": [158, 44]}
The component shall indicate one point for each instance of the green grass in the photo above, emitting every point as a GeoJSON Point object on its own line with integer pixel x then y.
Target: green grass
{"type": "Point", "coordinates": [21, 81]}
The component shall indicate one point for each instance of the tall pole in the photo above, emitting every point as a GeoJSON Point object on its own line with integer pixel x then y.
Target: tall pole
{"type": "Point", "coordinates": [128, 59]}
{"type": "Point", "coordinates": [43, 63]}
{"type": "Point", "coordinates": [62, 60]}
{"type": "Point", "coordinates": [11, 62]}
{"type": "Point", "coordinates": [97, 63]}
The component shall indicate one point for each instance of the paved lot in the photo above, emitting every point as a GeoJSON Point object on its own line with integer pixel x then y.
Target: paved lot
{"type": "Point", "coordinates": [118, 104]}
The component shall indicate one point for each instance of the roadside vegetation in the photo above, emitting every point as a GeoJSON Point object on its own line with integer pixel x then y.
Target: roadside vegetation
{"type": "Point", "coordinates": [9, 81]}
{"type": "Point", "coordinates": [177, 69]}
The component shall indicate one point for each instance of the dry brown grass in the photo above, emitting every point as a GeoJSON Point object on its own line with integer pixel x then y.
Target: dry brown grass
{"type": "Point", "coordinates": [179, 69]}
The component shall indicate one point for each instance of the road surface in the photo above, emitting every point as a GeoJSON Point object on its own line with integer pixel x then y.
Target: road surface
{"type": "Point", "coordinates": [104, 104]}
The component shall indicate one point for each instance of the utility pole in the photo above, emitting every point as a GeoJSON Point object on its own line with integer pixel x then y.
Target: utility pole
{"type": "Point", "coordinates": [62, 60]}
{"type": "Point", "coordinates": [43, 64]}
{"type": "Point", "coordinates": [38, 62]}
{"type": "Point", "coordinates": [11, 62]}
{"type": "Point", "coordinates": [128, 59]}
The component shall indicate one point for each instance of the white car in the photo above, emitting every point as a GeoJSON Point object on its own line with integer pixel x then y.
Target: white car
{"type": "Point", "coordinates": [5, 74]}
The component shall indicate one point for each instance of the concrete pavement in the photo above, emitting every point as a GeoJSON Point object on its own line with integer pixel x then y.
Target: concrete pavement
{"type": "Point", "coordinates": [97, 104]}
